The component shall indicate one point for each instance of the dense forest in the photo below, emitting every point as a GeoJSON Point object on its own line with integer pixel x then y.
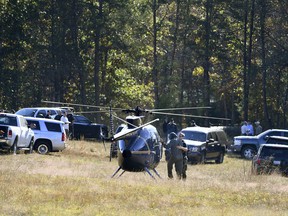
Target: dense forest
{"type": "Point", "coordinates": [229, 55]}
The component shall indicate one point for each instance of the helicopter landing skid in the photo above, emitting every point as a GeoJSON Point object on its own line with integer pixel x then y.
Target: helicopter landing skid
{"type": "Point", "coordinates": [157, 173]}
{"type": "Point", "coordinates": [148, 171]}
{"type": "Point", "coordinates": [119, 168]}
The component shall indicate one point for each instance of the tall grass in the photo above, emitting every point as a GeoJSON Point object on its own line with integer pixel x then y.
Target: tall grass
{"type": "Point", "coordinates": [78, 181]}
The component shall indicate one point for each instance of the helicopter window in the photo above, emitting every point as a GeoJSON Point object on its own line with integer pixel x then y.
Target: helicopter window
{"type": "Point", "coordinates": [140, 144]}
{"type": "Point", "coordinates": [136, 142]}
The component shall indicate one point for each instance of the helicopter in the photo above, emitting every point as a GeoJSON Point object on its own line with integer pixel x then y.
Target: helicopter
{"type": "Point", "coordinates": [139, 146]}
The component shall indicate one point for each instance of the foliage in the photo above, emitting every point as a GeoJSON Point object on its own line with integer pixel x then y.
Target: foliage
{"type": "Point", "coordinates": [87, 51]}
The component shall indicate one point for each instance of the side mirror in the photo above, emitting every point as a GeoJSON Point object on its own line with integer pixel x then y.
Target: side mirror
{"type": "Point", "coordinates": [210, 140]}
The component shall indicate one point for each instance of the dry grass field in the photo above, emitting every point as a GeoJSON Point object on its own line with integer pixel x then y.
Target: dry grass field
{"type": "Point", "coordinates": [77, 182]}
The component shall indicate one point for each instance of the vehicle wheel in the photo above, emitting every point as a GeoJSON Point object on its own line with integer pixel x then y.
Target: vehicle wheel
{"type": "Point", "coordinates": [220, 159]}
{"type": "Point", "coordinates": [43, 148]}
{"type": "Point", "coordinates": [248, 152]}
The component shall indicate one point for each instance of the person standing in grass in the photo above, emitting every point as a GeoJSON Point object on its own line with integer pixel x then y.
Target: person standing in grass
{"type": "Point", "coordinates": [184, 152]}
{"type": "Point", "coordinates": [176, 156]}
{"type": "Point", "coordinates": [66, 123]}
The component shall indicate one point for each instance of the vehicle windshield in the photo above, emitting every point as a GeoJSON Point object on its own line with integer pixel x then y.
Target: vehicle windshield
{"type": "Point", "coordinates": [27, 112]}
{"type": "Point", "coordinates": [8, 120]}
{"type": "Point", "coordinates": [81, 119]}
{"type": "Point", "coordinates": [277, 153]}
{"type": "Point", "coordinates": [277, 141]}
{"type": "Point", "coordinates": [195, 135]}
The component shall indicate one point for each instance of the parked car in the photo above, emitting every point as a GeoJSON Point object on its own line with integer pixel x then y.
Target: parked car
{"type": "Point", "coordinates": [49, 135]}
{"type": "Point", "coordinates": [205, 144]}
{"type": "Point", "coordinates": [248, 146]}
{"type": "Point", "coordinates": [86, 129]}
{"type": "Point", "coordinates": [38, 112]}
{"type": "Point", "coordinates": [271, 158]}
{"type": "Point", "coordinates": [15, 133]}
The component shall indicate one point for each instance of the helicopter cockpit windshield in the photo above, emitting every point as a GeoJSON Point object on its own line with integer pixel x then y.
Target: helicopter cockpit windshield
{"type": "Point", "coordinates": [135, 142]}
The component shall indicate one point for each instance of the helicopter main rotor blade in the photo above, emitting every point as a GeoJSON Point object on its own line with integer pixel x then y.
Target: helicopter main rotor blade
{"type": "Point", "coordinates": [194, 116]}
{"type": "Point", "coordinates": [124, 133]}
{"type": "Point", "coordinates": [80, 105]}
{"type": "Point", "coordinates": [83, 112]}
{"type": "Point", "coordinates": [184, 108]}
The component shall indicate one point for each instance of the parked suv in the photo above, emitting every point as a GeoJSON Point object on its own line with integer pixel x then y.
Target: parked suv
{"type": "Point", "coordinates": [248, 146]}
{"type": "Point", "coordinates": [84, 128]}
{"type": "Point", "coordinates": [38, 112]}
{"type": "Point", "coordinates": [49, 134]}
{"type": "Point", "coordinates": [205, 144]}
{"type": "Point", "coordinates": [270, 158]}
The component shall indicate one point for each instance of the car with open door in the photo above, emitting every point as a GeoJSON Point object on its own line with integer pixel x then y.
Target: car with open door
{"type": "Point", "coordinates": [271, 158]}
{"type": "Point", "coordinates": [49, 134]}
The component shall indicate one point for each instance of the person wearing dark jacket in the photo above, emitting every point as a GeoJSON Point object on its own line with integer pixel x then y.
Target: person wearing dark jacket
{"type": "Point", "coordinates": [185, 158]}
{"type": "Point", "coordinates": [176, 156]}
{"type": "Point", "coordinates": [171, 127]}
{"type": "Point", "coordinates": [48, 115]}
{"type": "Point", "coordinates": [58, 116]}
{"type": "Point", "coordinates": [164, 127]}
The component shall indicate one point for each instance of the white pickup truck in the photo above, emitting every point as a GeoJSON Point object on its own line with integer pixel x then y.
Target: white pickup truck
{"type": "Point", "coordinates": [15, 133]}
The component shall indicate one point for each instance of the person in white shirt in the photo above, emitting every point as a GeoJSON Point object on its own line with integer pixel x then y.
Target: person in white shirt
{"type": "Point", "coordinates": [244, 128]}
{"type": "Point", "coordinates": [66, 123]}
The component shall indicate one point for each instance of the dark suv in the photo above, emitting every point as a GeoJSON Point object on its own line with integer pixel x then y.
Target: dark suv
{"type": "Point", "coordinates": [270, 158]}
{"type": "Point", "coordinates": [86, 129]}
{"type": "Point", "coordinates": [205, 144]}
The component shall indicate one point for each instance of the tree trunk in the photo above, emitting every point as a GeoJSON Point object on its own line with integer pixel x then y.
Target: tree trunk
{"type": "Point", "coordinates": [245, 77]}
{"type": "Point", "coordinates": [98, 28]}
{"type": "Point", "coordinates": [249, 59]}
{"type": "Point", "coordinates": [155, 68]}
{"type": "Point", "coordinates": [285, 109]}
{"type": "Point", "coordinates": [263, 67]}
{"type": "Point", "coordinates": [77, 58]}
{"type": "Point", "coordinates": [174, 40]}
{"type": "Point", "coordinates": [206, 66]}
